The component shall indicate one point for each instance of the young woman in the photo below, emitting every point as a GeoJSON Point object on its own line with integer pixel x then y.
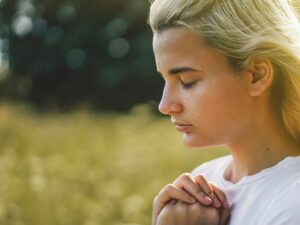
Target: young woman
{"type": "Point", "coordinates": [232, 77]}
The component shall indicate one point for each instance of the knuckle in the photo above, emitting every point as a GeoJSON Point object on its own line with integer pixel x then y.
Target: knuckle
{"type": "Point", "coordinates": [182, 178]}
{"type": "Point", "coordinates": [186, 176]}
{"type": "Point", "coordinates": [200, 177]}
{"type": "Point", "coordinates": [165, 189]}
{"type": "Point", "coordinates": [168, 188]}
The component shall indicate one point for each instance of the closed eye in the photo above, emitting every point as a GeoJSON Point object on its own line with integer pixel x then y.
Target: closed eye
{"type": "Point", "coordinates": [187, 85]}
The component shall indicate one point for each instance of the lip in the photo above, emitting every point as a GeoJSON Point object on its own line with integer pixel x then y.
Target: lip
{"type": "Point", "coordinates": [185, 128]}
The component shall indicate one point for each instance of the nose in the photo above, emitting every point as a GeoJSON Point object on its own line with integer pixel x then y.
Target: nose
{"type": "Point", "coordinates": [169, 103]}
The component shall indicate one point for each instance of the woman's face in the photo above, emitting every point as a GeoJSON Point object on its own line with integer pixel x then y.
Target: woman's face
{"type": "Point", "coordinates": [205, 98]}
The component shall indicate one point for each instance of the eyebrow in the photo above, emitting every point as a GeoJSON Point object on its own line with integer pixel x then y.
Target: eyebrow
{"type": "Point", "coordinates": [177, 70]}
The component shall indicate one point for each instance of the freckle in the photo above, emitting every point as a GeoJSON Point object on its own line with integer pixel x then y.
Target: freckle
{"type": "Point", "coordinates": [268, 149]}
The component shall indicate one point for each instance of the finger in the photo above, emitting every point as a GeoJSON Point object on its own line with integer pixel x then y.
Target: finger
{"type": "Point", "coordinates": [168, 193]}
{"type": "Point", "coordinates": [207, 189]}
{"type": "Point", "coordinates": [171, 191]}
{"type": "Point", "coordinates": [224, 215]}
{"type": "Point", "coordinates": [220, 195]}
{"type": "Point", "coordinates": [187, 183]}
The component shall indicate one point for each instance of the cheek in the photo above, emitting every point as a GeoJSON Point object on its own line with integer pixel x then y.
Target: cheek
{"type": "Point", "coordinates": [215, 122]}
{"type": "Point", "coordinates": [219, 109]}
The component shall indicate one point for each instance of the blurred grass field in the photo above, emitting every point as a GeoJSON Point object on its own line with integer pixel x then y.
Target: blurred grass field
{"type": "Point", "coordinates": [84, 168]}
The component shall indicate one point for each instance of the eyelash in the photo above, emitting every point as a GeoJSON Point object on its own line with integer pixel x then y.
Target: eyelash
{"type": "Point", "coordinates": [188, 85]}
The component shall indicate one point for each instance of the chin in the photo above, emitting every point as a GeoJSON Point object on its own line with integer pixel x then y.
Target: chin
{"type": "Point", "coordinates": [191, 142]}
{"type": "Point", "coordinates": [196, 142]}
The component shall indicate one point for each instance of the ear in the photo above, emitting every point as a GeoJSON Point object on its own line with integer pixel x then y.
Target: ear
{"type": "Point", "coordinates": [260, 72]}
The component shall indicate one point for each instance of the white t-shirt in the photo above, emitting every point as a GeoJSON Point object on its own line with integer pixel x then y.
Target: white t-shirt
{"type": "Point", "coordinates": [270, 197]}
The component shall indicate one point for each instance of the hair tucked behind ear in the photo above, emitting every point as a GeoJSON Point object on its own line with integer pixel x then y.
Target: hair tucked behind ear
{"type": "Point", "coordinates": [242, 30]}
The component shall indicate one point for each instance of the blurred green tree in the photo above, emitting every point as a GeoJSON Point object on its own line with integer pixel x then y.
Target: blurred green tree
{"type": "Point", "coordinates": [65, 52]}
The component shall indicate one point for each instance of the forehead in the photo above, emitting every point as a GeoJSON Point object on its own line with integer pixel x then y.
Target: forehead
{"type": "Point", "coordinates": [182, 47]}
{"type": "Point", "coordinates": [179, 38]}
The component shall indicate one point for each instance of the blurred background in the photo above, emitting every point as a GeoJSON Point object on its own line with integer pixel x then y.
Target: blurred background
{"type": "Point", "coordinates": [62, 53]}
{"type": "Point", "coordinates": [81, 141]}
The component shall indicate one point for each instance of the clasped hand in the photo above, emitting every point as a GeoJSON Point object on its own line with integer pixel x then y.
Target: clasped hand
{"type": "Point", "coordinates": [190, 201]}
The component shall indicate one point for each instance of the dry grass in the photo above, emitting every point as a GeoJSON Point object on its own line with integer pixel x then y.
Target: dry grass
{"type": "Point", "coordinates": [87, 169]}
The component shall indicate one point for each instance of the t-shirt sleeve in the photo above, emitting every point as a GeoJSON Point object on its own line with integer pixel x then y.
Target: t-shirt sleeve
{"type": "Point", "coordinates": [286, 208]}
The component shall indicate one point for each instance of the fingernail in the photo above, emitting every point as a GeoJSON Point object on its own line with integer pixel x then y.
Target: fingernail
{"type": "Point", "coordinates": [217, 203]}
{"type": "Point", "coordinates": [207, 200]}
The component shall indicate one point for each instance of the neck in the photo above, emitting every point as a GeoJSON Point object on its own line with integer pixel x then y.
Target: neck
{"type": "Point", "coordinates": [262, 147]}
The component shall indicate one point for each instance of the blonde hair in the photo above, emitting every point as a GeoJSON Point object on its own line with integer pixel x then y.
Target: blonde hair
{"type": "Point", "coordinates": [242, 30]}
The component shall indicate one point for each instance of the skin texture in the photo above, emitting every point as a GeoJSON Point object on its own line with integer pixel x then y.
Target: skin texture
{"type": "Point", "coordinates": [192, 214]}
{"type": "Point", "coordinates": [212, 104]}
{"type": "Point", "coordinates": [190, 200]}
{"type": "Point", "coordinates": [184, 104]}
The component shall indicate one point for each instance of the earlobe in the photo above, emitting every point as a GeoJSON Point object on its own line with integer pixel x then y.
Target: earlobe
{"type": "Point", "coordinates": [261, 74]}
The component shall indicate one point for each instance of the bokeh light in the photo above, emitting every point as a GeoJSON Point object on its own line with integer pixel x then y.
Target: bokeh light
{"type": "Point", "coordinates": [66, 12]}
{"type": "Point", "coordinates": [22, 25]}
{"type": "Point", "coordinates": [86, 168]}
{"type": "Point", "coordinates": [116, 28]}
{"type": "Point", "coordinates": [75, 58]}
{"type": "Point", "coordinates": [39, 27]}
{"type": "Point", "coordinates": [118, 47]}
{"type": "Point", "coordinates": [53, 35]}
